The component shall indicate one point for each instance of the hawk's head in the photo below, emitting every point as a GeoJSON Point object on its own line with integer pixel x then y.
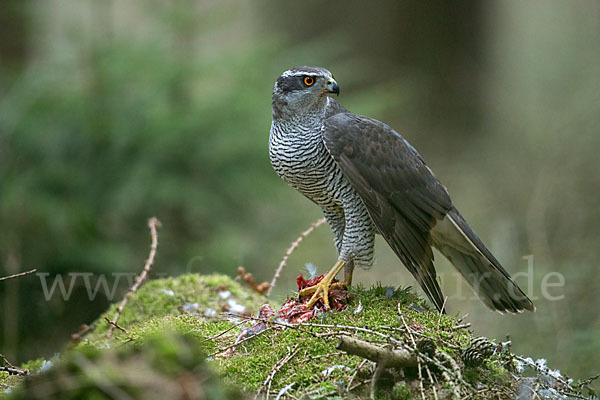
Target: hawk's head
{"type": "Point", "coordinates": [303, 90]}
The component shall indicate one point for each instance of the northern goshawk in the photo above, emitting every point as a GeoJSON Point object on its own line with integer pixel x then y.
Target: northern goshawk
{"type": "Point", "coordinates": [367, 179]}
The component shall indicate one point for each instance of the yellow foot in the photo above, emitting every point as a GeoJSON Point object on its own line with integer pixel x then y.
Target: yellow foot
{"type": "Point", "coordinates": [322, 288]}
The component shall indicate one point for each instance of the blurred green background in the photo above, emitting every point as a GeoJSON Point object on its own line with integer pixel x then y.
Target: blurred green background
{"type": "Point", "coordinates": [115, 111]}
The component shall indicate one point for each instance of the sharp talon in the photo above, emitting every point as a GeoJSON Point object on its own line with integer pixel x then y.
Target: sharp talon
{"type": "Point", "coordinates": [322, 288]}
{"type": "Point", "coordinates": [320, 291]}
{"type": "Point", "coordinates": [307, 291]}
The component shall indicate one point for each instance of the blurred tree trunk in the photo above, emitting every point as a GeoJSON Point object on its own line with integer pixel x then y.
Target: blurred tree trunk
{"type": "Point", "coordinates": [13, 34]}
{"type": "Point", "coordinates": [14, 53]}
{"type": "Point", "coordinates": [10, 318]}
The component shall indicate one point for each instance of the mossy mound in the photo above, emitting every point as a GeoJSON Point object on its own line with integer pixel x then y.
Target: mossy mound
{"type": "Point", "coordinates": [159, 301]}
{"type": "Point", "coordinates": [179, 304]}
{"type": "Point", "coordinates": [164, 366]}
{"type": "Point", "coordinates": [171, 324]}
{"type": "Point", "coordinates": [318, 370]}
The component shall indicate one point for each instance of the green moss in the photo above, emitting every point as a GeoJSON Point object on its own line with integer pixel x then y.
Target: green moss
{"type": "Point", "coordinates": [494, 371]}
{"type": "Point", "coordinates": [316, 369]}
{"type": "Point", "coordinates": [33, 365]}
{"type": "Point", "coordinates": [401, 391]}
{"type": "Point", "coordinates": [161, 366]}
{"type": "Point", "coordinates": [165, 298]}
{"type": "Point", "coordinates": [9, 381]}
{"type": "Point", "coordinates": [317, 356]}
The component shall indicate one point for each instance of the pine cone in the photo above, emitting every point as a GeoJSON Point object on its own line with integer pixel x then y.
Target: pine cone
{"type": "Point", "coordinates": [426, 346]}
{"type": "Point", "coordinates": [479, 349]}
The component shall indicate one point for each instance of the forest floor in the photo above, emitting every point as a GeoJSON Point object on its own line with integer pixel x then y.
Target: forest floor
{"type": "Point", "coordinates": [211, 337]}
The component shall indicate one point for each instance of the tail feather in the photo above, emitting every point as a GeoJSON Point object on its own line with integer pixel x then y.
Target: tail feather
{"type": "Point", "coordinates": [453, 237]}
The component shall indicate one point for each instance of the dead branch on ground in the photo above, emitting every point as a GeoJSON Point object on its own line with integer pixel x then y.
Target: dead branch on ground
{"type": "Point", "coordinates": [399, 358]}
{"type": "Point", "coordinates": [115, 325]}
{"type": "Point", "coordinates": [276, 368]}
{"type": "Point", "coordinates": [11, 369]}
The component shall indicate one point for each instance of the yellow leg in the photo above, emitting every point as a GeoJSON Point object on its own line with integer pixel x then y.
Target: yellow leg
{"type": "Point", "coordinates": [322, 288]}
{"type": "Point", "coordinates": [348, 269]}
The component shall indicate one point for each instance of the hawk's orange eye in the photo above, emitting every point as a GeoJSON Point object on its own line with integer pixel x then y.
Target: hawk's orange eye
{"type": "Point", "coordinates": [309, 80]}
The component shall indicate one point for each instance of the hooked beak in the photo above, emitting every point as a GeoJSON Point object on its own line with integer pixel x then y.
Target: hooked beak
{"type": "Point", "coordinates": [332, 87]}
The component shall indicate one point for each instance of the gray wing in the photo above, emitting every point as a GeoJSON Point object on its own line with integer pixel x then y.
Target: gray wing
{"type": "Point", "coordinates": [413, 211]}
{"type": "Point", "coordinates": [402, 196]}
{"type": "Point", "coordinates": [333, 108]}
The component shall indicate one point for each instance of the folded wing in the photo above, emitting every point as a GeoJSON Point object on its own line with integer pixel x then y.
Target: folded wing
{"type": "Point", "coordinates": [413, 211]}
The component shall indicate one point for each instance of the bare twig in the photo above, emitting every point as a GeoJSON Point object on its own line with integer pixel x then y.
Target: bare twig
{"type": "Point", "coordinates": [274, 322]}
{"type": "Point", "coordinates": [378, 371]}
{"type": "Point", "coordinates": [222, 333]}
{"type": "Point", "coordinates": [278, 365]}
{"type": "Point", "coordinates": [115, 325]}
{"type": "Point", "coordinates": [461, 326]}
{"type": "Point", "coordinates": [453, 387]}
{"type": "Point", "coordinates": [408, 330]}
{"type": "Point", "coordinates": [14, 371]}
{"type": "Point", "coordinates": [291, 250]}
{"type": "Point", "coordinates": [587, 381]}
{"type": "Point", "coordinates": [354, 328]}
{"type": "Point", "coordinates": [333, 354]}
{"type": "Point", "coordinates": [18, 275]}
{"type": "Point", "coordinates": [329, 334]}
{"type": "Point", "coordinates": [461, 319]}
{"type": "Point", "coordinates": [153, 223]}
{"type": "Point", "coordinates": [11, 369]}
{"type": "Point", "coordinates": [412, 339]}
{"type": "Point", "coordinates": [436, 362]}
{"type": "Point", "coordinates": [420, 334]}
{"type": "Point", "coordinates": [362, 364]}
{"type": "Point", "coordinates": [441, 312]}
{"type": "Point", "coordinates": [421, 388]}
{"type": "Point", "coordinates": [453, 364]}
{"type": "Point", "coordinates": [359, 384]}
{"type": "Point", "coordinates": [590, 379]}
{"type": "Point", "coordinates": [237, 343]}
{"type": "Point", "coordinates": [6, 361]}
{"type": "Point", "coordinates": [435, 396]}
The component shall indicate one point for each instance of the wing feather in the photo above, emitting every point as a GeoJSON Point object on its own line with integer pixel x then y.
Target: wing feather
{"type": "Point", "coordinates": [402, 196]}
{"type": "Point", "coordinates": [413, 211]}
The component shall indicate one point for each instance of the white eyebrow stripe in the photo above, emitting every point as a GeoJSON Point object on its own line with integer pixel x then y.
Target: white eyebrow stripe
{"type": "Point", "coordinates": [287, 74]}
